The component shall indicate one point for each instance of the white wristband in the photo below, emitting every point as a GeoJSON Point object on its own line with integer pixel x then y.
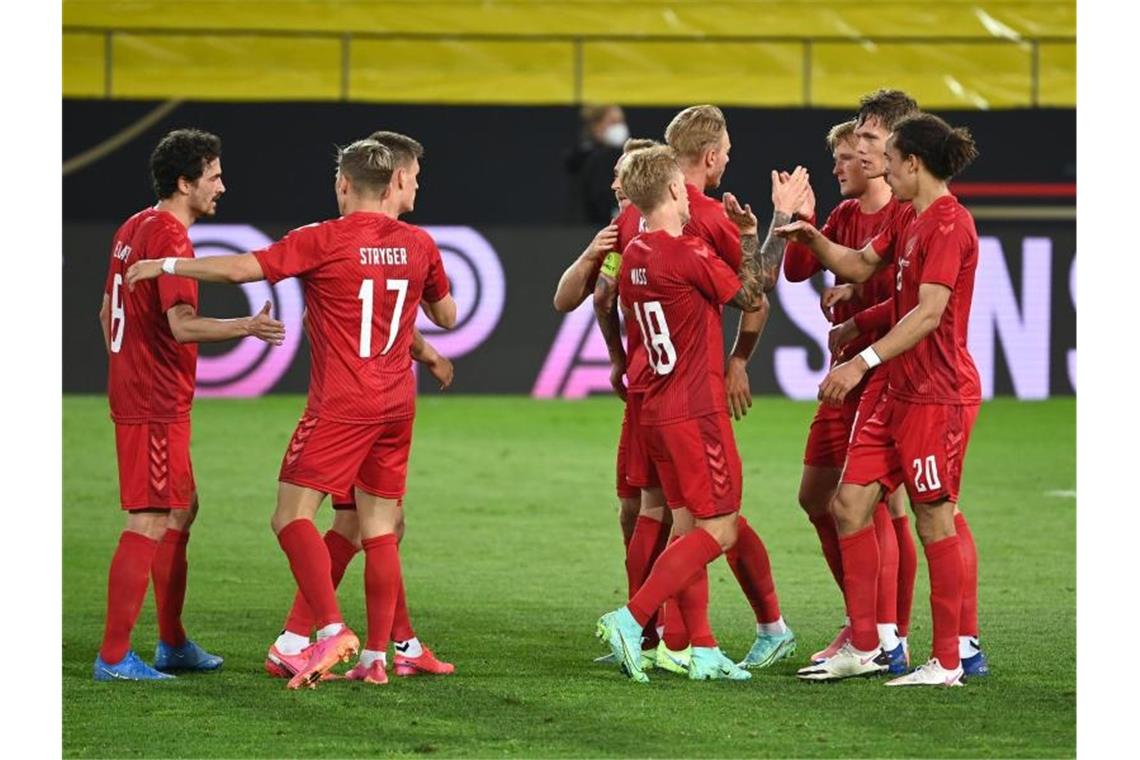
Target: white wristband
{"type": "Point", "coordinates": [168, 264]}
{"type": "Point", "coordinates": [868, 354]}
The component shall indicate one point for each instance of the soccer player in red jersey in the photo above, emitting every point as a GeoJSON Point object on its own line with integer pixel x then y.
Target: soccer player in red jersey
{"type": "Point", "coordinates": [699, 137]}
{"type": "Point", "coordinates": [364, 274]}
{"type": "Point", "coordinates": [642, 503]}
{"type": "Point", "coordinates": [675, 286]}
{"type": "Point", "coordinates": [287, 654]}
{"type": "Point", "coordinates": [151, 334]}
{"type": "Point", "coordinates": [920, 428]}
{"type": "Point", "coordinates": [869, 207]}
{"type": "Point", "coordinates": [878, 112]}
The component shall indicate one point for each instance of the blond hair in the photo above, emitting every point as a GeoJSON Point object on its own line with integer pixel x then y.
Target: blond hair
{"type": "Point", "coordinates": [638, 143]}
{"type": "Point", "coordinates": [840, 133]}
{"type": "Point", "coordinates": [695, 130]}
{"type": "Point", "coordinates": [405, 148]}
{"type": "Point", "coordinates": [646, 174]}
{"type": "Point", "coordinates": [367, 165]}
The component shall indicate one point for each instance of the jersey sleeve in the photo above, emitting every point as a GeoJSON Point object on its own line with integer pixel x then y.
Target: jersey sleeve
{"type": "Point", "coordinates": [884, 243]}
{"type": "Point", "coordinates": [293, 255]}
{"type": "Point", "coordinates": [713, 277]}
{"type": "Point", "coordinates": [799, 262]}
{"type": "Point", "coordinates": [724, 237]}
{"type": "Point", "coordinates": [942, 257]}
{"type": "Point", "coordinates": [436, 286]}
{"type": "Point", "coordinates": [175, 290]}
{"type": "Point", "coordinates": [875, 318]}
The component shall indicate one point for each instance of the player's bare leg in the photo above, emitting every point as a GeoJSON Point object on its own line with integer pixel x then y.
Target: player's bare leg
{"type": "Point", "coordinates": [936, 530]}
{"type": "Point", "coordinates": [628, 510]}
{"type": "Point", "coordinates": [899, 507]}
{"type": "Point", "coordinates": [126, 590]}
{"type": "Point", "coordinates": [309, 560]}
{"type": "Point", "coordinates": [853, 508]}
{"type": "Point", "coordinates": [969, 645]}
{"type": "Point", "coordinates": [175, 651]}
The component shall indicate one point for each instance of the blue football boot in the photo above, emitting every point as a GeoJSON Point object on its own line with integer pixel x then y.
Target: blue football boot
{"type": "Point", "coordinates": [130, 668]}
{"type": "Point", "coordinates": [189, 656]}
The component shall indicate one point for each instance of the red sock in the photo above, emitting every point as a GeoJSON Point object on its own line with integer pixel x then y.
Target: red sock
{"type": "Point", "coordinates": [829, 542]}
{"type": "Point", "coordinates": [382, 582]}
{"type": "Point", "coordinates": [312, 569]}
{"type": "Point", "coordinates": [693, 606]}
{"type": "Point", "coordinates": [861, 580]}
{"type": "Point", "coordinates": [341, 552]}
{"type": "Point", "coordinates": [401, 621]}
{"type": "Point", "coordinates": [887, 607]}
{"type": "Point", "coordinates": [908, 567]}
{"type": "Point", "coordinates": [169, 573]}
{"type": "Point", "coordinates": [126, 589]}
{"type": "Point", "coordinates": [968, 625]}
{"type": "Point", "coordinates": [673, 630]}
{"type": "Point", "coordinates": [673, 571]}
{"type": "Point", "coordinates": [640, 554]}
{"type": "Point", "coordinates": [748, 559]}
{"type": "Point", "coordinates": [945, 561]}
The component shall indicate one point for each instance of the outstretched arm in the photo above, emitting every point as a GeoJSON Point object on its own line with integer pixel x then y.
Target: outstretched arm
{"type": "Point", "coordinates": [187, 327]}
{"type": "Point", "coordinates": [915, 325]}
{"type": "Point", "coordinates": [237, 268]}
{"type": "Point", "coordinates": [848, 263]}
{"type": "Point", "coordinates": [574, 285]}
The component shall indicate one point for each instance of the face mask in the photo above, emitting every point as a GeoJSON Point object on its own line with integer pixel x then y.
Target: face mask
{"type": "Point", "coordinates": [615, 135]}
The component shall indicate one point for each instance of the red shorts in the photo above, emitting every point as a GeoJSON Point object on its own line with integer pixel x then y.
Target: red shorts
{"type": "Point", "coordinates": [332, 457]}
{"type": "Point", "coordinates": [874, 389]}
{"type": "Point", "coordinates": [154, 465]}
{"type": "Point", "coordinates": [635, 468]}
{"type": "Point", "coordinates": [830, 433]}
{"type": "Point", "coordinates": [698, 464]}
{"type": "Point", "coordinates": [921, 445]}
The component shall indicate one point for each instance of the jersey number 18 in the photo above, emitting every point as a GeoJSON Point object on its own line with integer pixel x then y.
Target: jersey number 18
{"type": "Point", "coordinates": [655, 335]}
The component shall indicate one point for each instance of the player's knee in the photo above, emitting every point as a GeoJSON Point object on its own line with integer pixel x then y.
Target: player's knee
{"type": "Point", "coordinates": [934, 522]}
{"type": "Point", "coordinates": [811, 502]}
{"type": "Point", "coordinates": [848, 513]}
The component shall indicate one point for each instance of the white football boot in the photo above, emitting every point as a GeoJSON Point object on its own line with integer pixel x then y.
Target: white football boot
{"type": "Point", "coordinates": [848, 662]}
{"type": "Point", "coordinates": [930, 674]}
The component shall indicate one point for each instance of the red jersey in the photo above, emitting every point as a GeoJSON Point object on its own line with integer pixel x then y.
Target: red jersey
{"type": "Point", "coordinates": [676, 287]}
{"type": "Point", "coordinates": [629, 225]}
{"type": "Point", "coordinates": [150, 375]}
{"type": "Point", "coordinates": [707, 222]}
{"type": "Point", "coordinates": [364, 276]}
{"type": "Point", "coordinates": [940, 246]}
{"type": "Point", "coordinates": [848, 226]}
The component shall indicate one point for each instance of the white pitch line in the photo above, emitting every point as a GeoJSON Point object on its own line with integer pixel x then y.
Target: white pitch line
{"type": "Point", "coordinates": [1062, 494]}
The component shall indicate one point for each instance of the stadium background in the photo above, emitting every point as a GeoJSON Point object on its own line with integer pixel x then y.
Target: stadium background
{"type": "Point", "coordinates": [492, 91]}
{"type": "Point", "coordinates": [512, 548]}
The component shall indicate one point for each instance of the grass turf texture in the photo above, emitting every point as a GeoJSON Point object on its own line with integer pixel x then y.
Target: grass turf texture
{"type": "Point", "coordinates": [512, 553]}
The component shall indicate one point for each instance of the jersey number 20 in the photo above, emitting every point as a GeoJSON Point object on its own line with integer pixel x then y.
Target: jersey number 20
{"type": "Point", "coordinates": [365, 296]}
{"type": "Point", "coordinates": [655, 335]}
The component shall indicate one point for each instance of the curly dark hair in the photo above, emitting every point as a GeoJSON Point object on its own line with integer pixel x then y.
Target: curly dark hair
{"type": "Point", "coordinates": [183, 153]}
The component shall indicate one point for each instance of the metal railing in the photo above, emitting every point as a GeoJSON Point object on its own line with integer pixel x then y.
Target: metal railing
{"type": "Point", "coordinates": [578, 43]}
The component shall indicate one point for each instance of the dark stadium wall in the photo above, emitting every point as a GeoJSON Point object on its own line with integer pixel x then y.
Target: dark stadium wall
{"type": "Point", "coordinates": [495, 165]}
{"type": "Point", "coordinates": [510, 340]}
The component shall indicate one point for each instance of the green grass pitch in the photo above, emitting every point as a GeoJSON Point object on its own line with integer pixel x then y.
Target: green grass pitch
{"type": "Point", "coordinates": [511, 554]}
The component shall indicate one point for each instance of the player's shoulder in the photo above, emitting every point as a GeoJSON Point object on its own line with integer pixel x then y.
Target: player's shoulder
{"type": "Point", "coordinates": [949, 217]}
{"type": "Point", "coordinates": [843, 211]}
{"type": "Point", "coordinates": [414, 233]}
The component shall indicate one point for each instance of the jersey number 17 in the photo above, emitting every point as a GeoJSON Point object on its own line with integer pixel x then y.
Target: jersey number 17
{"type": "Point", "coordinates": [365, 295]}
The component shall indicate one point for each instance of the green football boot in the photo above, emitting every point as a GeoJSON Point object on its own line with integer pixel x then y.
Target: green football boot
{"type": "Point", "coordinates": [623, 634]}
{"type": "Point", "coordinates": [769, 648]}
{"type": "Point", "coordinates": [710, 664]}
{"type": "Point", "coordinates": [674, 662]}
